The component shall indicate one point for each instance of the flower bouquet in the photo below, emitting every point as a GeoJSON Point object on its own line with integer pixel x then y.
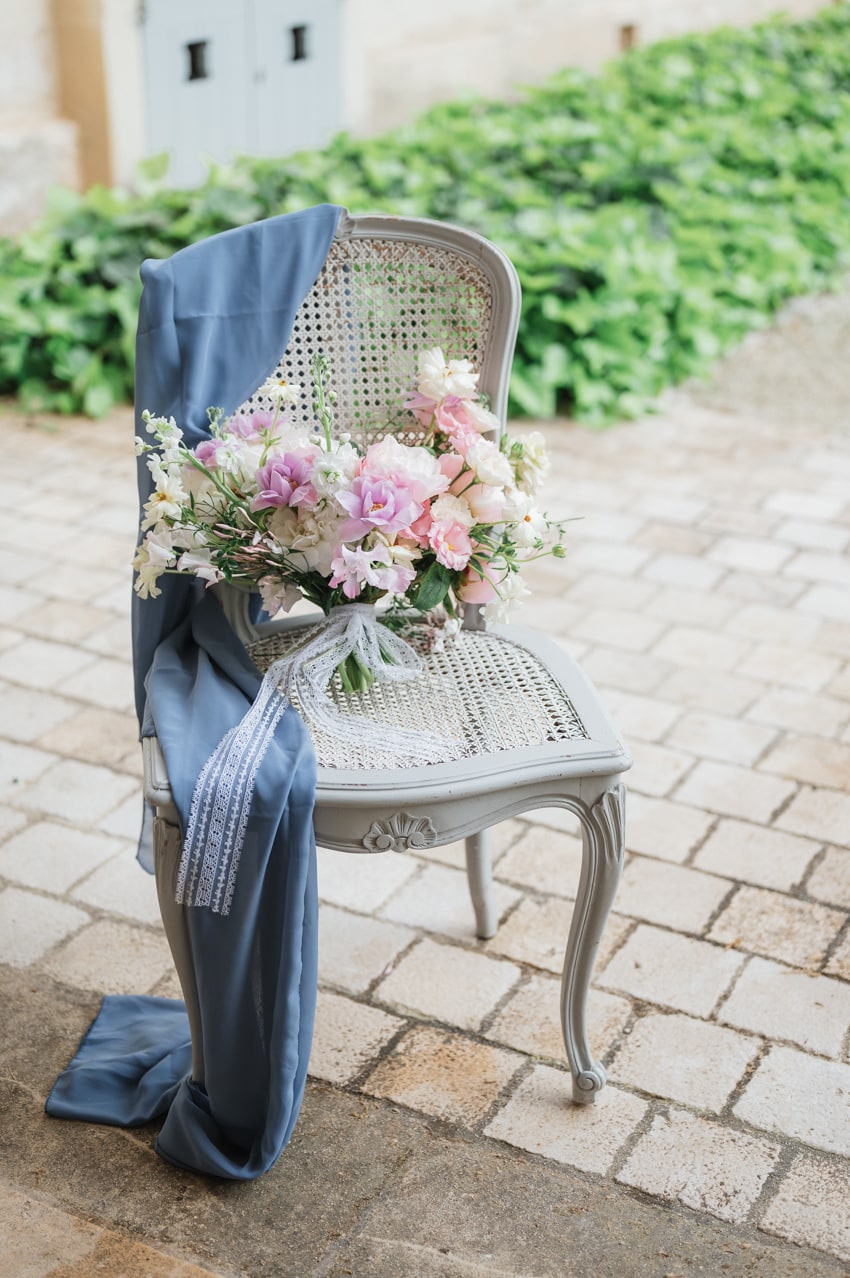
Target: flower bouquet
{"type": "Point", "coordinates": [297, 513]}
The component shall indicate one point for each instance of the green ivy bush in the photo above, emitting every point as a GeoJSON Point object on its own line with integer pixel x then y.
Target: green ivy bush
{"type": "Point", "coordinates": [655, 214]}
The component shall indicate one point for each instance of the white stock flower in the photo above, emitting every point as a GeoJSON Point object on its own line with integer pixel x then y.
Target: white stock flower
{"type": "Point", "coordinates": [448, 509]}
{"type": "Point", "coordinates": [533, 465]}
{"type": "Point", "coordinates": [310, 538]}
{"type": "Point", "coordinates": [199, 562]}
{"type": "Point", "coordinates": [512, 589]}
{"type": "Point", "coordinates": [438, 378]}
{"type": "Point", "coordinates": [335, 469]}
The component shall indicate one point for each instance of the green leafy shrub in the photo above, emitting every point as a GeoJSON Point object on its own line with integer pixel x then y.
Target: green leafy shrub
{"type": "Point", "coordinates": [655, 214]}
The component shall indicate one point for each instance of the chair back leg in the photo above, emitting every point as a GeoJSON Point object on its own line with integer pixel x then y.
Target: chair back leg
{"type": "Point", "coordinates": [479, 873]}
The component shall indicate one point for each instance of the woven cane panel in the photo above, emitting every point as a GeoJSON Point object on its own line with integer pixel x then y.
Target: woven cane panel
{"type": "Point", "coordinates": [480, 692]}
{"type": "Point", "coordinates": [375, 306]}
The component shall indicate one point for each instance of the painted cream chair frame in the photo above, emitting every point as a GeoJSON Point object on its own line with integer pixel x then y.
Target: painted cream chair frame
{"type": "Point", "coordinates": [391, 287]}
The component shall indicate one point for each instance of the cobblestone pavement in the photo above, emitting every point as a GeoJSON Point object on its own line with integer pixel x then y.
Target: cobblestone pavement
{"type": "Point", "coordinates": [706, 593]}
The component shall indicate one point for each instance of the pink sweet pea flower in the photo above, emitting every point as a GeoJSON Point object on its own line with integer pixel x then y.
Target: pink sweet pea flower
{"type": "Point", "coordinates": [451, 545]}
{"type": "Point", "coordinates": [374, 504]}
{"type": "Point", "coordinates": [422, 407]}
{"type": "Point", "coordinates": [249, 427]}
{"type": "Point", "coordinates": [207, 452]}
{"type": "Point", "coordinates": [285, 481]}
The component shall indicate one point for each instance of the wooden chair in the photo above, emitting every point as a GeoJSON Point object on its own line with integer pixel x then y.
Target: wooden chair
{"type": "Point", "coordinates": [527, 726]}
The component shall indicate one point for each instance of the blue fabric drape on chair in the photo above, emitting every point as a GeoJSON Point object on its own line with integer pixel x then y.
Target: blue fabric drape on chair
{"type": "Point", "coordinates": [213, 322]}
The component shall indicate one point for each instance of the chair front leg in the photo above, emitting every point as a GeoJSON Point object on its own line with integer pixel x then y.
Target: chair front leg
{"type": "Point", "coordinates": [167, 847]}
{"type": "Point", "coordinates": [603, 837]}
{"type": "Point", "coordinates": [479, 873]}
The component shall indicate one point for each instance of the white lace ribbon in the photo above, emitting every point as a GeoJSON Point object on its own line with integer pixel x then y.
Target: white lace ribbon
{"type": "Point", "coordinates": [221, 802]}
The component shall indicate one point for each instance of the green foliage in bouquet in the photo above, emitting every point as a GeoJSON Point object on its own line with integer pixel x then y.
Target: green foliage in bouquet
{"type": "Point", "coordinates": [655, 214]}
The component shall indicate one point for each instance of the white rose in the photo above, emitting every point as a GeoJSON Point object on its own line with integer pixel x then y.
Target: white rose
{"type": "Point", "coordinates": [437, 378]}
{"type": "Point", "coordinates": [489, 464]}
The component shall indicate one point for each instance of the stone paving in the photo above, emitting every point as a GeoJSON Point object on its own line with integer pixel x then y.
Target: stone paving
{"type": "Point", "coordinates": [706, 593]}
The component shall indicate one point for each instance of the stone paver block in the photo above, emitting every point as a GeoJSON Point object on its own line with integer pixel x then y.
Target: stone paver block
{"type": "Point", "coordinates": [790, 664]}
{"type": "Point", "coordinates": [31, 925]}
{"type": "Point", "coordinates": [733, 791]}
{"type": "Point", "coordinates": [536, 934]}
{"type": "Point", "coordinates": [124, 821]}
{"type": "Point", "coordinates": [599, 588]}
{"type": "Point", "coordinates": [701, 1164]}
{"type": "Point", "coordinates": [839, 960]}
{"type": "Point", "coordinates": [347, 1036]}
{"type": "Point", "coordinates": [447, 983]}
{"type": "Point", "coordinates": [751, 554]}
{"type": "Point", "coordinates": [663, 829]}
{"type": "Point", "coordinates": [832, 569]}
{"type": "Point", "coordinates": [531, 1022]}
{"type": "Point", "coordinates": [362, 883]}
{"type": "Point", "coordinates": [812, 1206]}
{"type": "Point", "coordinates": [684, 570]}
{"type": "Point", "coordinates": [765, 624]}
{"type": "Point", "coordinates": [656, 769]}
{"type": "Point", "coordinates": [39, 664]}
{"type": "Point", "coordinates": [718, 691]}
{"type": "Point", "coordinates": [670, 507]}
{"type": "Point", "coordinates": [757, 855]}
{"type": "Point", "coordinates": [14, 601]}
{"type": "Point", "coordinates": [26, 714]}
{"type": "Point", "coordinates": [10, 822]}
{"type": "Point", "coordinates": [637, 716]}
{"type": "Point", "coordinates": [77, 791]}
{"type": "Point", "coordinates": [815, 760]}
{"type": "Point", "coordinates": [631, 671]}
{"type": "Point", "coordinates": [71, 623]}
{"type": "Point", "coordinates": [800, 1096]}
{"type": "Point", "coordinates": [671, 895]}
{"type": "Point", "coordinates": [809, 535]}
{"type": "Point", "coordinates": [700, 609]}
{"type": "Point", "coordinates": [801, 712]}
{"type": "Point", "coordinates": [354, 951]}
{"type": "Point", "coordinates": [808, 505]}
{"type": "Point", "coordinates": [782, 1003]}
{"type": "Point", "coordinates": [122, 887]}
{"type": "Point", "coordinates": [830, 602]}
{"type": "Point", "coordinates": [107, 683]}
{"type": "Point", "coordinates": [543, 859]}
{"type": "Point", "coordinates": [617, 627]}
{"type": "Point", "coordinates": [830, 879]}
{"type": "Point", "coordinates": [113, 958]}
{"type": "Point", "coordinates": [761, 922]}
{"type": "Point", "coordinates": [438, 901]}
{"type": "Point", "coordinates": [761, 588]}
{"type": "Point", "coordinates": [693, 646]}
{"type": "Point", "coordinates": [54, 857]}
{"type": "Point", "coordinates": [819, 814]}
{"type": "Point", "coordinates": [95, 736]}
{"type": "Point", "coordinates": [19, 765]}
{"type": "Point", "coordinates": [540, 1118]}
{"type": "Point", "coordinates": [671, 970]}
{"type": "Point", "coordinates": [444, 1075]}
{"type": "Point", "coordinates": [684, 1060]}
{"type": "Point", "coordinates": [715, 736]}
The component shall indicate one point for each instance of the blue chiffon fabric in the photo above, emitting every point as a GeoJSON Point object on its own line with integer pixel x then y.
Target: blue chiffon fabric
{"type": "Point", "coordinates": [213, 322]}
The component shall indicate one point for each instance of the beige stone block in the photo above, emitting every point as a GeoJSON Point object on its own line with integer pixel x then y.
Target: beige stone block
{"type": "Point", "coordinates": [815, 760]}
{"type": "Point", "coordinates": [107, 683]}
{"type": "Point", "coordinates": [54, 857]}
{"type": "Point", "coordinates": [691, 571]}
{"type": "Point", "coordinates": [671, 970]}
{"type": "Point", "coordinates": [73, 622]}
{"type": "Point", "coordinates": [535, 933]}
{"type": "Point", "coordinates": [830, 879]}
{"type": "Point", "coordinates": [812, 1206]}
{"type": "Point", "coordinates": [10, 822]}
{"type": "Point", "coordinates": [31, 925]}
{"type": "Point", "coordinates": [801, 712]}
{"type": "Point", "coordinates": [675, 538]}
{"type": "Point", "coordinates": [122, 887]}
{"type": "Point", "coordinates": [444, 1075]}
{"type": "Point", "coordinates": [819, 814]}
{"type": "Point", "coordinates": [124, 821]}
{"type": "Point", "coordinates": [14, 601]}
{"type": "Point", "coordinates": [26, 714]}
{"type": "Point", "coordinates": [631, 671]}
{"type": "Point", "coordinates": [618, 627]}
{"type": "Point", "coordinates": [531, 1019]}
{"type": "Point", "coordinates": [715, 736]}
{"type": "Point", "coordinates": [91, 584]}
{"type": "Point", "coordinates": [714, 690]}
{"type": "Point", "coordinates": [762, 623]}
{"type": "Point", "coordinates": [656, 769]}
{"type": "Point", "coordinates": [700, 1164]}
{"type": "Point", "coordinates": [362, 882]}
{"type": "Point", "coordinates": [95, 736]}
{"type": "Point", "coordinates": [782, 1003]}
{"type": "Point", "coordinates": [39, 664]}
{"type": "Point", "coordinates": [446, 983]}
{"type": "Point", "coordinates": [693, 646]}
{"type": "Point", "coordinates": [347, 1036]}
{"type": "Point", "coordinates": [20, 764]}
{"type": "Point", "coordinates": [832, 569]}
{"type": "Point", "coordinates": [112, 638]}
{"type": "Point", "coordinates": [76, 791]}
{"type": "Point", "coordinates": [839, 960]}
{"type": "Point", "coordinates": [807, 505]}
{"type": "Point", "coordinates": [602, 525]}
{"type": "Point", "coordinates": [544, 859]}
{"type": "Point", "coordinates": [670, 895]}
{"type": "Point", "coordinates": [636, 716]}
{"type": "Point", "coordinates": [540, 1118]}
{"type": "Point", "coordinates": [808, 535]}
{"type": "Point", "coordinates": [760, 922]}
{"type": "Point", "coordinates": [800, 1096]}
{"type": "Point", "coordinates": [752, 854]}
{"type": "Point", "coordinates": [790, 664]}
{"type": "Point", "coordinates": [354, 951]}
{"type": "Point", "coordinates": [761, 588]}
{"type": "Point", "coordinates": [598, 556]}
{"type": "Point", "coordinates": [663, 829]}
{"type": "Point", "coordinates": [113, 958]}
{"type": "Point", "coordinates": [599, 588]}
{"type": "Point", "coordinates": [736, 792]}
{"type": "Point", "coordinates": [830, 602]}
{"type": "Point", "coordinates": [502, 836]}
{"type": "Point", "coordinates": [750, 554]}
{"type": "Point", "coordinates": [437, 900]}
{"type": "Point", "coordinates": [679, 604]}
{"type": "Point", "coordinates": [684, 1060]}
{"type": "Point", "coordinates": [671, 508]}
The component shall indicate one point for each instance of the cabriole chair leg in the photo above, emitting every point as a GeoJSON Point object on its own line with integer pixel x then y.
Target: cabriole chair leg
{"type": "Point", "coordinates": [167, 847]}
{"type": "Point", "coordinates": [603, 838]}
{"type": "Point", "coordinates": [479, 872]}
